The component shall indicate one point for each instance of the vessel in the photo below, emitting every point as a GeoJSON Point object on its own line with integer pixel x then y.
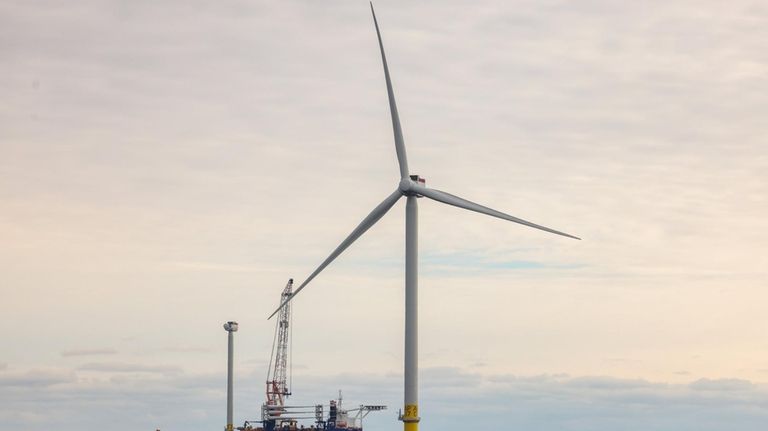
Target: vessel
{"type": "Point", "coordinates": [276, 414]}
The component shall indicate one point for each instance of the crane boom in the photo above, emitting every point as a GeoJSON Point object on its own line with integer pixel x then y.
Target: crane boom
{"type": "Point", "coordinates": [277, 380]}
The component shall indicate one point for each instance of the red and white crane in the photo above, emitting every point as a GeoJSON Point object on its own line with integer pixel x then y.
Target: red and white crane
{"type": "Point", "coordinates": [278, 379]}
{"type": "Point", "coordinates": [276, 414]}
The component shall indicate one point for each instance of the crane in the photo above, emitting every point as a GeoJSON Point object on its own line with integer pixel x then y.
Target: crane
{"type": "Point", "coordinates": [278, 388]}
{"type": "Point", "coordinates": [275, 413]}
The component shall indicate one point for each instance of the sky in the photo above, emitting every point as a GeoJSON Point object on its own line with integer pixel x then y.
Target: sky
{"type": "Point", "coordinates": [166, 166]}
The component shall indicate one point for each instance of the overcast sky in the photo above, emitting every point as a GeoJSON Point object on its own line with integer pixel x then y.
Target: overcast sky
{"type": "Point", "coordinates": [167, 166]}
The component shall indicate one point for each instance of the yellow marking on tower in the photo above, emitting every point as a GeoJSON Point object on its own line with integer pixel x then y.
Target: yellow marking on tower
{"type": "Point", "coordinates": [411, 418]}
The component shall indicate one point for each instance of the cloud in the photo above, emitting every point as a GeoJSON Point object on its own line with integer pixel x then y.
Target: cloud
{"type": "Point", "coordinates": [188, 349]}
{"type": "Point", "coordinates": [140, 399]}
{"type": "Point", "coordinates": [607, 383]}
{"type": "Point", "coordinates": [726, 385]}
{"type": "Point", "coordinates": [207, 266]}
{"type": "Point", "coordinates": [542, 402]}
{"type": "Point", "coordinates": [447, 378]}
{"type": "Point", "coordinates": [120, 367]}
{"type": "Point", "coordinates": [557, 402]}
{"type": "Point", "coordinates": [38, 378]}
{"type": "Point", "coordinates": [88, 352]}
{"type": "Point", "coordinates": [441, 263]}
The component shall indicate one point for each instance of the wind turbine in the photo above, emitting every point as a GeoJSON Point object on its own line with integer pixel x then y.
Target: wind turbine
{"type": "Point", "coordinates": [412, 187]}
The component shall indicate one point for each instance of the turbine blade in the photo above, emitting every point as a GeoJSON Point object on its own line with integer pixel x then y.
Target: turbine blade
{"type": "Point", "coordinates": [366, 224]}
{"type": "Point", "coordinates": [402, 159]}
{"type": "Point", "coordinates": [456, 201]}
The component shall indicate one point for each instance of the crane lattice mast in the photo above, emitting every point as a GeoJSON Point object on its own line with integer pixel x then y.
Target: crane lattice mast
{"type": "Point", "coordinates": [278, 379]}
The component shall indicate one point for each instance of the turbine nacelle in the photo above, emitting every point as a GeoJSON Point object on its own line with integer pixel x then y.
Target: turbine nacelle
{"type": "Point", "coordinates": [408, 186]}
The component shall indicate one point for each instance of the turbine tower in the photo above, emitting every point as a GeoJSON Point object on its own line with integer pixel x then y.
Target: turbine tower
{"type": "Point", "coordinates": [231, 328]}
{"type": "Point", "coordinates": [412, 187]}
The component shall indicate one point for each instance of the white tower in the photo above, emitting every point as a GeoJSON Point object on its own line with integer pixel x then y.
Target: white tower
{"type": "Point", "coordinates": [231, 328]}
